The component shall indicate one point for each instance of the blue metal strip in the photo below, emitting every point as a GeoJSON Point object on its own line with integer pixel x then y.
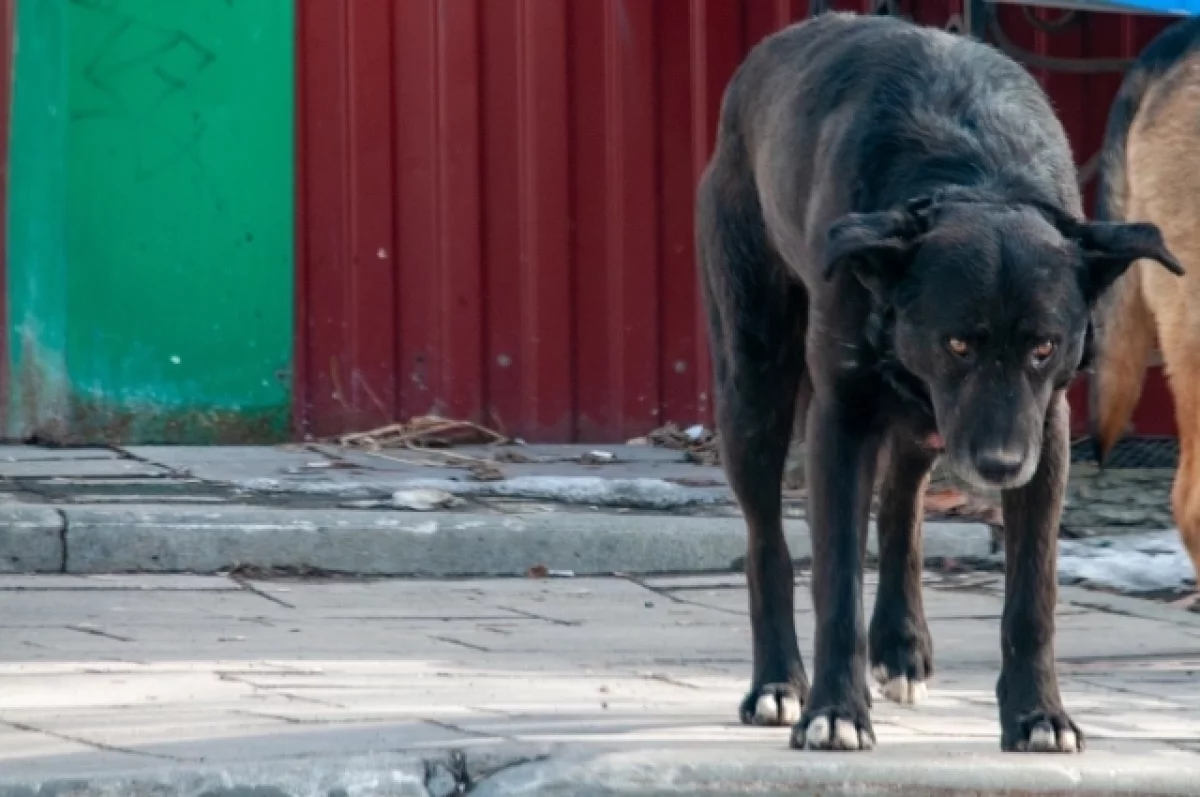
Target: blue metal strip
{"type": "Point", "coordinates": [1168, 7]}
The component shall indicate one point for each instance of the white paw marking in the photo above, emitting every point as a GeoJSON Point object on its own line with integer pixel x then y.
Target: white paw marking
{"type": "Point", "coordinates": [766, 712]}
{"type": "Point", "coordinates": [845, 735]}
{"type": "Point", "coordinates": [842, 735]}
{"type": "Point", "coordinates": [900, 689]}
{"type": "Point", "coordinates": [816, 735]}
{"type": "Point", "coordinates": [790, 710]}
{"type": "Point", "coordinates": [776, 707]}
{"type": "Point", "coordinates": [1041, 740]}
{"type": "Point", "coordinates": [918, 691]}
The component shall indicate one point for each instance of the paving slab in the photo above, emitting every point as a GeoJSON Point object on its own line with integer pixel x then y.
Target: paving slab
{"type": "Point", "coordinates": [84, 468]}
{"type": "Point", "coordinates": [347, 473]}
{"type": "Point", "coordinates": [605, 686]}
{"type": "Point", "coordinates": [228, 463]}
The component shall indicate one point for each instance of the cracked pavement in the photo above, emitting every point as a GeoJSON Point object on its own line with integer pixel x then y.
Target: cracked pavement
{"type": "Point", "coordinates": [111, 674]}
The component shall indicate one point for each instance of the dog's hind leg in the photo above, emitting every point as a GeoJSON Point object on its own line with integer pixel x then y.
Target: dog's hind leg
{"type": "Point", "coordinates": [1176, 310]}
{"type": "Point", "coordinates": [756, 318]}
{"type": "Point", "coordinates": [900, 646]}
{"type": "Point", "coordinates": [1182, 360]}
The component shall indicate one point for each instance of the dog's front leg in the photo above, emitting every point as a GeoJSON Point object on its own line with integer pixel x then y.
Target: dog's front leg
{"type": "Point", "coordinates": [1032, 717]}
{"type": "Point", "coordinates": [843, 443]}
{"type": "Point", "coordinates": [900, 643]}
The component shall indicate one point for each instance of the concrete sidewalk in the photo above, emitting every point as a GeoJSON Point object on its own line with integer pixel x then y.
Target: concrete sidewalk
{"type": "Point", "coordinates": [471, 510]}
{"type": "Point", "coordinates": [323, 509]}
{"type": "Point", "coordinates": [192, 685]}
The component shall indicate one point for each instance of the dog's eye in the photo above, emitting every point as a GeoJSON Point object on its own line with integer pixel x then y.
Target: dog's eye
{"type": "Point", "coordinates": [1043, 352]}
{"type": "Point", "coordinates": [958, 347]}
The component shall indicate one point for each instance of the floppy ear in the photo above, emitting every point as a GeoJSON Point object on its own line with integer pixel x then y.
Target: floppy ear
{"type": "Point", "coordinates": [1110, 248]}
{"type": "Point", "coordinates": [876, 246]}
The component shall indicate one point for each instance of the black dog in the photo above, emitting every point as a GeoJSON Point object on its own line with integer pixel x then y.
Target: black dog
{"type": "Point", "coordinates": [890, 229]}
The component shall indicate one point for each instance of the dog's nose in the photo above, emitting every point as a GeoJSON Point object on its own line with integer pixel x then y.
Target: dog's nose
{"type": "Point", "coordinates": [998, 465]}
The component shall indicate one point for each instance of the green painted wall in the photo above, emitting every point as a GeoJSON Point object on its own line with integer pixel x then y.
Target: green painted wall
{"type": "Point", "coordinates": [150, 231]}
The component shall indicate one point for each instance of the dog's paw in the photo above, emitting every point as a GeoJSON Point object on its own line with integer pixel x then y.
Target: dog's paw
{"type": "Point", "coordinates": [899, 688]}
{"type": "Point", "coordinates": [902, 660]}
{"type": "Point", "coordinates": [843, 728]}
{"type": "Point", "coordinates": [1042, 732]}
{"type": "Point", "coordinates": [774, 704]}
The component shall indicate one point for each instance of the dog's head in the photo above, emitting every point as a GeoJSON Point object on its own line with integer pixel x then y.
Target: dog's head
{"type": "Point", "coordinates": [991, 306]}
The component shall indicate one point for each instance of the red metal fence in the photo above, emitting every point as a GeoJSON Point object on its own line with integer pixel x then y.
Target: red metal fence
{"type": "Point", "coordinates": [496, 201]}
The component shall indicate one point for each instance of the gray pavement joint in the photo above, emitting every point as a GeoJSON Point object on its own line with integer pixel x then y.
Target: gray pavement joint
{"type": "Point", "coordinates": [64, 537]}
{"type": "Point", "coordinates": [98, 746]}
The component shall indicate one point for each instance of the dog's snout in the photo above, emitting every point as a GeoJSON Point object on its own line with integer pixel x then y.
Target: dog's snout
{"type": "Point", "coordinates": [999, 465]}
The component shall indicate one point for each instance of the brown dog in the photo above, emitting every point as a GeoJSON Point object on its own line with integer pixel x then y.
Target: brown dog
{"type": "Point", "coordinates": [1150, 172]}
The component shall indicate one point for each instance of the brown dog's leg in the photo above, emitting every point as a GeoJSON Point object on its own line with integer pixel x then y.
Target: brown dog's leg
{"type": "Point", "coordinates": [756, 318]}
{"type": "Point", "coordinates": [843, 450]}
{"type": "Point", "coordinates": [1032, 717]}
{"type": "Point", "coordinates": [900, 645]}
{"type": "Point", "coordinates": [1181, 367]}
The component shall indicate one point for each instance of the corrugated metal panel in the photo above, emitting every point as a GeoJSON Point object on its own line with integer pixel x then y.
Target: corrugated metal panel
{"type": "Point", "coordinates": [496, 201]}
{"type": "Point", "coordinates": [345, 315]}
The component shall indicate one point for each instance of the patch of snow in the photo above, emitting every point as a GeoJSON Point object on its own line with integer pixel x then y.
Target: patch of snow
{"type": "Point", "coordinates": [644, 493]}
{"type": "Point", "coordinates": [423, 500]}
{"type": "Point", "coordinates": [1130, 563]}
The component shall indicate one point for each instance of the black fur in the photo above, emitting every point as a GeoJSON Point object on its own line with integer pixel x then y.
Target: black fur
{"type": "Point", "coordinates": [877, 189]}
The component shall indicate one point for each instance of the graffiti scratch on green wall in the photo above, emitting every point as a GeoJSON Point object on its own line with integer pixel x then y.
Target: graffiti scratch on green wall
{"type": "Point", "coordinates": [150, 230]}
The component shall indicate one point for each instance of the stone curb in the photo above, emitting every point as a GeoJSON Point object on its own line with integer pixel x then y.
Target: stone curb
{"type": "Point", "coordinates": [664, 772]}
{"type": "Point", "coordinates": [743, 770]}
{"type": "Point", "coordinates": [367, 775]}
{"type": "Point", "coordinates": [402, 778]}
{"type": "Point", "coordinates": [154, 538]}
{"type": "Point", "coordinates": [31, 539]}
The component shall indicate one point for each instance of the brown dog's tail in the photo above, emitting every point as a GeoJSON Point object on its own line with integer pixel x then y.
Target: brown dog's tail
{"type": "Point", "coordinates": [1124, 326]}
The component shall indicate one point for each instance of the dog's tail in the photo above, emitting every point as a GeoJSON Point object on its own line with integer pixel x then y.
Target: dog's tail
{"type": "Point", "coordinates": [1124, 325]}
